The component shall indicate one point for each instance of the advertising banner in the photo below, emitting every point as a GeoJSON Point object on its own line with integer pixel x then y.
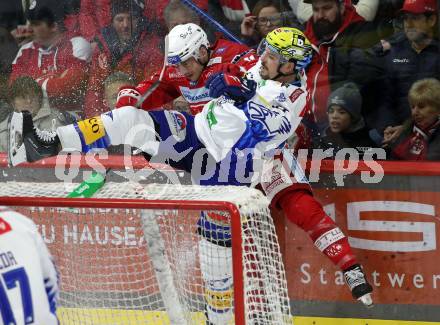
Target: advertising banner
{"type": "Point", "coordinates": [394, 233]}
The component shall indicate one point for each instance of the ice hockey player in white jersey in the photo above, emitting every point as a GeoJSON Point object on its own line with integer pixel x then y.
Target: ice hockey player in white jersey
{"type": "Point", "coordinates": [28, 278]}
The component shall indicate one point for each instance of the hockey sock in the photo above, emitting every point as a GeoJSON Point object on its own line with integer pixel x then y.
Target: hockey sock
{"type": "Point", "coordinates": [127, 125]}
{"type": "Point", "coordinates": [301, 208]}
{"type": "Point", "coordinates": [216, 269]}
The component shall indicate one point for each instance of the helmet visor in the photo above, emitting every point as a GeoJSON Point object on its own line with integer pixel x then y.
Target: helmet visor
{"type": "Point", "coordinates": [265, 47]}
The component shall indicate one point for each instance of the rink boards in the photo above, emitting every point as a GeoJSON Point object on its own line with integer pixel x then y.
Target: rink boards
{"type": "Point", "coordinates": [111, 317]}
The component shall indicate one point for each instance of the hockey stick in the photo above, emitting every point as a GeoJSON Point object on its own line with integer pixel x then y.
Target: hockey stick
{"type": "Point", "coordinates": [154, 86]}
{"type": "Point", "coordinates": [214, 23]}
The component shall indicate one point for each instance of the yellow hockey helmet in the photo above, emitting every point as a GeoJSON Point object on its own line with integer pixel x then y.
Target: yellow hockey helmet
{"type": "Point", "coordinates": [290, 44]}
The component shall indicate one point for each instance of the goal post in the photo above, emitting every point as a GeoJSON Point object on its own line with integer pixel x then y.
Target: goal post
{"type": "Point", "coordinates": [130, 255]}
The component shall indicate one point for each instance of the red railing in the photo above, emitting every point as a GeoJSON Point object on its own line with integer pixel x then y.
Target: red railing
{"type": "Point", "coordinates": [409, 168]}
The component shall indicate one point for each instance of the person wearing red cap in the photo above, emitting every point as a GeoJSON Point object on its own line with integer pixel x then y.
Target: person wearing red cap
{"type": "Point", "coordinates": [414, 57]}
{"type": "Point", "coordinates": [419, 6]}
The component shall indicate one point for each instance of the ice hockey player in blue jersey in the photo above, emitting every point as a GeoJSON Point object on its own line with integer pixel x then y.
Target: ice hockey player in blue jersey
{"type": "Point", "coordinates": [28, 278]}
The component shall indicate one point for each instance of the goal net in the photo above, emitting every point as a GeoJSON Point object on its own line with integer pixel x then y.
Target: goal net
{"type": "Point", "coordinates": [131, 254]}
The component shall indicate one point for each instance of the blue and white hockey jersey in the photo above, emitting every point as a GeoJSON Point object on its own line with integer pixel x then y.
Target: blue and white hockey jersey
{"type": "Point", "coordinates": [264, 123]}
{"type": "Point", "coordinates": [28, 278]}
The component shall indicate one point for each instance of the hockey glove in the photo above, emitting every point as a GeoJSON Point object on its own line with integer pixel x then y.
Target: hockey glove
{"type": "Point", "coordinates": [127, 96]}
{"type": "Point", "coordinates": [238, 89]}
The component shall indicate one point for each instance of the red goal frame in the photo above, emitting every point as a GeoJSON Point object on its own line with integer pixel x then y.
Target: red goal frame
{"type": "Point", "coordinates": [235, 219]}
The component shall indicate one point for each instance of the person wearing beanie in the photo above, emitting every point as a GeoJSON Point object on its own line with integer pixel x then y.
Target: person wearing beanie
{"type": "Point", "coordinates": [129, 44]}
{"type": "Point", "coordinates": [50, 11]}
{"type": "Point", "coordinates": [346, 125]}
{"type": "Point", "coordinates": [127, 6]}
{"type": "Point", "coordinates": [126, 22]}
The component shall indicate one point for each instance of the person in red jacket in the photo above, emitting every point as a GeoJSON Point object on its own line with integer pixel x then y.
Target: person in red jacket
{"type": "Point", "coordinates": [336, 31]}
{"type": "Point", "coordinates": [56, 61]}
{"type": "Point", "coordinates": [191, 61]}
{"type": "Point", "coordinates": [130, 44]}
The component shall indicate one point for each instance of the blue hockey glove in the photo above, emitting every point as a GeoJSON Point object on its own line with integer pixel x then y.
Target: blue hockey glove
{"type": "Point", "coordinates": [238, 89]}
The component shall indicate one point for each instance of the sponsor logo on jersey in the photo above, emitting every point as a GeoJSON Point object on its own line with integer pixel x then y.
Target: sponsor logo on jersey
{"type": "Point", "coordinates": [295, 94]}
{"type": "Point", "coordinates": [215, 60]}
{"type": "Point", "coordinates": [4, 226]}
{"type": "Point", "coordinates": [91, 129]}
{"type": "Point", "coordinates": [195, 95]}
{"type": "Point", "coordinates": [175, 75]}
{"type": "Point", "coordinates": [272, 120]}
{"type": "Point", "coordinates": [177, 124]}
{"type": "Point", "coordinates": [281, 98]}
{"type": "Point", "coordinates": [334, 250]}
{"type": "Point", "coordinates": [220, 50]}
{"type": "Point", "coordinates": [404, 60]}
{"type": "Point", "coordinates": [210, 117]}
{"type": "Point", "coordinates": [328, 238]}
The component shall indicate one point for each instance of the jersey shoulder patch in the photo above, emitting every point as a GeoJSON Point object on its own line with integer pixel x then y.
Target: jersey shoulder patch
{"type": "Point", "coordinates": [177, 124]}
{"type": "Point", "coordinates": [295, 94]}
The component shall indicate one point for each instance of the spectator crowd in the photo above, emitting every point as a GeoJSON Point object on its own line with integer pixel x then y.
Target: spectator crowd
{"type": "Point", "coordinates": [373, 78]}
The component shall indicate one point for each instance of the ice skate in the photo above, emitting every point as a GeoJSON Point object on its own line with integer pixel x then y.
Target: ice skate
{"type": "Point", "coordinates": [357, 282]}
{"type": "Point", "coordinates": [26, 143]}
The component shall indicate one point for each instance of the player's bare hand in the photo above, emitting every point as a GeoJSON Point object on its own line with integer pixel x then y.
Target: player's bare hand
{"type": "Point", "coordinates": [247, 26]}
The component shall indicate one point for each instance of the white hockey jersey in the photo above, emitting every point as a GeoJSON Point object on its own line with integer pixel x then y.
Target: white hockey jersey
{"type": "Point", "coordinates": [28, 278]}
{"type": "Point", "coordinates": [264, 123]}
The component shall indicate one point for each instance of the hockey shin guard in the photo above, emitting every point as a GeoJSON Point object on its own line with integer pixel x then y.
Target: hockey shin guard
{"type": "Point", "coordinates": [127, 125]}
{"type": "Point", "coordinates": [302, 209]}
{"type": "Point", "coordinates": [216, 269]}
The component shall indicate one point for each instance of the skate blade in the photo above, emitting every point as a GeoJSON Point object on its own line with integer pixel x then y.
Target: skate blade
{"type": "Point", "coordinates": [367, 300]}
{"type": "Point", "coordinates": [16, 147]}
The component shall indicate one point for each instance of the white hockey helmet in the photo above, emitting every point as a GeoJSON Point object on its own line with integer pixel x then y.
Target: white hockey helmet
{"type": "Point", "coordinates": [184, 41]}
